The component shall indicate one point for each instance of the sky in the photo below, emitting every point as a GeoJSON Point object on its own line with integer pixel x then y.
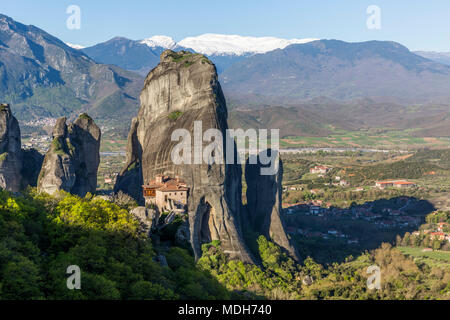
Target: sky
{"type": "Point", "coordinates": [417, 24]}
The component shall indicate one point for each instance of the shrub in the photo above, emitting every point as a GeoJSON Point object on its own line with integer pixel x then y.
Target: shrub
{"type": "Point", "coordinates": [85, 116]}
{"type": "Point", "coordinates": [175, 115]}
{"type": "Point", "coordinates": [3, 156]}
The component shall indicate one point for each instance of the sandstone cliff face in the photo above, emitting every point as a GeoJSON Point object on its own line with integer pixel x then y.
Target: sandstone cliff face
{"type": "Point", "coordinates": [182, 89]}
{"type": "Point", "coordinates": [72, 161]}
{"type": "Point", "coordinates": [264, 203]}
{"type": "Point", "coordinates": [85, 137]}
{"type": "Point", "coordinates": [10, 151]}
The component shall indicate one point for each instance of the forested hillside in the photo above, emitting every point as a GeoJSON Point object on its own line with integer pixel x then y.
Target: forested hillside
{"type": "Point", "coordinates": [42, 235]}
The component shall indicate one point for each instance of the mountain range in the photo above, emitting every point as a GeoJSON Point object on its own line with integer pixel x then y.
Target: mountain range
{"type": "Point", "coordinates": [300, 85]}
{"type": "Point", "coordinates": [41, 76]}
{"type": "Point", "coordinates": [286, 71]}
{"type": "Point", "coordinates": [441, 57]}
{"type": "Point", "coordinates": [136, 56]}
{"type": "Point", "coordinates": [340, 70]}
{"type": "Point", "coordinates": [143, 55]}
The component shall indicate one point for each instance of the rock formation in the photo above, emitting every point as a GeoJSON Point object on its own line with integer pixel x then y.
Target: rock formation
{"type": "Point", "coordinates": [264, 202]}
{"type": "Point", "coordinates": [148, 218]}
{"type": "Point", "coordinates": [182, 235]}
{"type": "Point", "coordinates": [182, 89]}
{"type": "Point", "coordinates": [10, 151]}
{"type": "Point", "coordinates": [72, 161]}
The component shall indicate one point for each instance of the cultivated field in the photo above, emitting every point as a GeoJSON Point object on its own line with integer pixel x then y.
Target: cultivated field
{"type": "Point", "coordinates": [391, 140]}
{"type": "Point", "coordinates": [432, 258]}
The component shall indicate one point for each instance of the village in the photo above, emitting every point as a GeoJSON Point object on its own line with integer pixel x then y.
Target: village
{"type": "Point", "coordinates": [166, 198]}
{"type": "Point", "coordinates": [388, 218]}
{"type": "Point", "coordinates": [321, 171]}
{"type": "Point", "coordinates": [394, 214]}
{"type": "Point", "coordinates": [441, 232]}
{"type": "Point", "coordinates": [40, 143]}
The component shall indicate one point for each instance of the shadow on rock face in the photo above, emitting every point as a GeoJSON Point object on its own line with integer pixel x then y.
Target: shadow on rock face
{"type": "Point", "coordinates": [264, 191]}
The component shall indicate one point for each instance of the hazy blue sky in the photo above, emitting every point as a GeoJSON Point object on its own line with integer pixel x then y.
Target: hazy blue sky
{"type": "Point", "coordinates": [418, 24]}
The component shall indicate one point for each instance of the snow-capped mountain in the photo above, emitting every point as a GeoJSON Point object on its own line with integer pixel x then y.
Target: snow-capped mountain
{"type": "Point", "coordinates": [75, 46]}
{"type": "Point", "coordinates": [160, 41]}
{"type": "Point", "coordinates": [222, 44]}
{"type": "Point", "coordinates": [224, 50]}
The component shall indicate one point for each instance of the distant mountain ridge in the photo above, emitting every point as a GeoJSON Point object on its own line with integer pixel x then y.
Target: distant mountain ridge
{"type": "Point", "coordinates": [220, 44]}
{"type": "Point", "coordinates": [160, 41]}
{"type": "Point", "coordinates": [302, 89]}
{"type": "Point", "coordinates": [340, 70]}
{"type": "Point", "coordinates": [441, 57]}
{"type": "Point", "coordinates": [75, 46]}
{"type": "Point", "coordinates": [142, 55]}
{"type": "Point", "coordinates": [137, 56]}
{"type": "Point", "coordinates": [288, 71]}
{"type": "Point", "coordinates": [41, 76]}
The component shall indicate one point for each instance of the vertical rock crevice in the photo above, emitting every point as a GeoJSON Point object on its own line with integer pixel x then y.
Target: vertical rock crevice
{"type": "Point", "coordinates": [264, 201]}
{"type": "Point", "coordinates": [72, 161]}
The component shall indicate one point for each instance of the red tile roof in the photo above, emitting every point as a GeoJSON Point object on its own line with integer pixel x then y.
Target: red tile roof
{"type": "Point", "coordinates": [168, 184]}
{"type": "Point", "coordinates": [403, 182]}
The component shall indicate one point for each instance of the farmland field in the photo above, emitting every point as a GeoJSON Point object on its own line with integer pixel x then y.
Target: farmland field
{"type": "Point", "coordinates": [432, 258]}
{"type": "Point", "coordinates": [364, 139]}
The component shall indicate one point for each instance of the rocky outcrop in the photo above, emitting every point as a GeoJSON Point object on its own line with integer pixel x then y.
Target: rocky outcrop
{"type": "Point", "coordinates": [183, 89]}
{"type": "Point", "coordinates": [72, 161]}
{"type": "Point", "coordinates": [264, 202]}
{"type": "Point", "coordinates": [182, 237]}
{"type": "Point", "coordinates": [57, 172]}
{"type": "Point", "coordinates": [147, 218]}
{"type": "Point", "coordinates": [10, 151]}
{"type": "Point", "coordinates": [84, 136]}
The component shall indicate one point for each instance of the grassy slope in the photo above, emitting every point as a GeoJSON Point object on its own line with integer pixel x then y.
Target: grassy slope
{"type": "Point", "coordinates": [432, 258]}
